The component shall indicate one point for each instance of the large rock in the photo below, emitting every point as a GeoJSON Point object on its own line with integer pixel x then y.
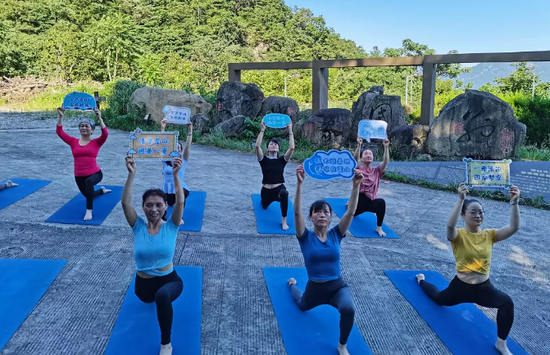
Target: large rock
{"type": "Point", "coordinates": [284, 105]}
{"type": "Point", "coordinates": [236, 98]}
{"type": "Point", "coordinates": [374, 105]}
{"type": "Point", "coordinates": [476, 124]}
{"type": "Point", "coordinates": [232, 127]}
{"type": "Point", "coordinates": [201, 123]}
{"type": "Point", "coordinates": [409, 141]}
{"type": "Point", "coordinates": [328, 127]}
{"type": "Point", "coordinates": [152, 100]}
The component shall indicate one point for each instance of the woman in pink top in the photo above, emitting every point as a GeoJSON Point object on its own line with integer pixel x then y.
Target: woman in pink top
{"type": "Point", "coordinates": [368, 191]}
{"type": "Point", "coordinates": [86, 171]}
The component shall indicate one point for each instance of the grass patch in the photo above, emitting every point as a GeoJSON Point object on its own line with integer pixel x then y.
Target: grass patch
{"type": "Point", "coordinates": [497, 195]}
{"type": "Point", "coordinates": [533, 153]}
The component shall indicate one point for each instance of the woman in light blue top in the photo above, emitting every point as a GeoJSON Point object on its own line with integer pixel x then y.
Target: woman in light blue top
{"type": "Point", "coordinates": [154, 248]}
{"type": "Point", "coordinates": [321, 250]}
{"type": "Point", "coordinates": [168, 184]}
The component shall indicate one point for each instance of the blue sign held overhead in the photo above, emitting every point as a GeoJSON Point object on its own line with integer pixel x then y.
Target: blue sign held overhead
{"type": "Point", "coordinates": [369, 129]}
{"type": "Point", "coordinates": [79, 101]}
{"type": "Point", "coordinates": [332, 165]}
{"type": "Point", "coordinates": [276, 120]}
{"type": "Point", "coordinates": [177, 115]}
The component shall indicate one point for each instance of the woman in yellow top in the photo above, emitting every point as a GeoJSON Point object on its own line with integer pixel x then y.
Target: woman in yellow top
{"type": "Point", "coordinates": [472, 248]}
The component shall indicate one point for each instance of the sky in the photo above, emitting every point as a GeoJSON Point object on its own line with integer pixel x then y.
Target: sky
{"type": "Point", "coordinates": [468, 26]}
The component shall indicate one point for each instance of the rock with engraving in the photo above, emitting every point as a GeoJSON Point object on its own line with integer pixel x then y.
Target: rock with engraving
{"type": "Point", "coordinates": [284, 105]}
{"type": "Point", "coordinates": [476, 124]}
{"type": "Point", "coordinates": [232, 127]}
{"type": "Point", "coordinates": [329, 128]}
{"type": "Point", "coordinates": [152, 100]}
{"type": "Point", "coordinates": [409, 141]}
{"type": "Point", "coordinates": [374, 105]}
{"type": "Point", "coordinates": [236, 98]}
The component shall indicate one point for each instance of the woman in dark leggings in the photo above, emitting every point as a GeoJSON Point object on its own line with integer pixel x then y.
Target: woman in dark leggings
{"type": "Point", "coordinates": [154, 248]}
{"type": "Point", "coordinates": [472, 247]}
{"type": "Point", "coordinates": [273, 167]}
{"type": "Point", "coordinates": [87, 173]}
{"type": "Point", "coordinates": [368, 192]}
{"type": "Point", "coordinates": [321, 251]}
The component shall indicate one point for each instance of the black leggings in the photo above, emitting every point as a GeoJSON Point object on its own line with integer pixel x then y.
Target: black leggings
{"type": "Point", "coordinates": [279, 194]}
{"type": "Point", "coordinates": [86, 186]}
{"type": "Point", "coordinates": [163, 291]}
{"type": "Point", "coordinates": [335, 293]}
{"type": "Point", "coordinates": [172, 197]}
{"type": "Point", "coordinates": [377, 206]}
{"type": "Point", "coordinates": [483, 294]}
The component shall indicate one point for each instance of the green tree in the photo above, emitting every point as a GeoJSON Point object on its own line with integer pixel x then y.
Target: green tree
{"type": "Point", "coordinates": [520, 80]}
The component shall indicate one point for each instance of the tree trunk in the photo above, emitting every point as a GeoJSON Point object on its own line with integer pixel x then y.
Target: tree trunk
{"type": "Point", "coordinates": [116, 63]}
{"type": "Point", "coordinates": [109, 67]}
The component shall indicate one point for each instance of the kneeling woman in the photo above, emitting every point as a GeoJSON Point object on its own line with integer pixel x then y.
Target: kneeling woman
{"type": "Point", "coordinates": [472, 247]}
{"type": "Point", "coordinates": [154, 248]}
{"type": "Point", "coordinates": [321, 251]}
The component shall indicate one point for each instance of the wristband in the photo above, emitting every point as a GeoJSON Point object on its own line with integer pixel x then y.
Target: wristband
{"type": "Point", "coordinates": [514, 202]}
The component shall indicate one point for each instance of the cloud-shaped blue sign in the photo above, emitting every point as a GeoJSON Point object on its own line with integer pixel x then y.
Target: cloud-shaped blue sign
{"type": "Point", "coordinates": [368, 129]}
{"type": "Point", "coordinates": [79, 101]}
{"type": "Point", "coordinates": [175, 153]}
{"type": "Point", "coordinates": [332, 165]}
{"type": "Point", "coordinates": [276, 120]}
{"type": "Point", "coordinates": [132, 151]}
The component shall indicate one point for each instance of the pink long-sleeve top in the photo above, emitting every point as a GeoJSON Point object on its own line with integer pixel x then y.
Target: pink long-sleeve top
{"type": "Point", "coordinates": [85, 163]}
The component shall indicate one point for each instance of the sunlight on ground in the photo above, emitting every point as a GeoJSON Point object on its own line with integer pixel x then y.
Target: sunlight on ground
{"type": "Point", "coordinates": [519, 257]}
{"type": "Point", "coordinates": [432, 239]}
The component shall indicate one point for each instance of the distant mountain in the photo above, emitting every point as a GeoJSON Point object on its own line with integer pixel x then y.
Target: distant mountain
{"type": "Point", "coordinates": [484, 73]}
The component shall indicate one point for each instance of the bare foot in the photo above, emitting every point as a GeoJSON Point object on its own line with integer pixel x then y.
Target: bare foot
{"type": "Point", "coordinates": [88, 215]}
{"type": "Point", "coordinates": [182, 222]}
{"type": "Point", "coordinates": [419, 278]}
{"type": "Point", "coordinates": [502, 348]}
{"type": "Point", "coordinates": [284, 224]}
{"type": "Point", "coordinates": [10, 183]}
{"type": "Point", "coordinates": [166, 349]}
{"type": "Point", "coordinates": [343, 349]}
{"type": "Point", "coordinates": [291, 281]}
{"type": "Point", "coordinates": [105, 190]}
{"type": "Point", "coordinates": [380, 232]}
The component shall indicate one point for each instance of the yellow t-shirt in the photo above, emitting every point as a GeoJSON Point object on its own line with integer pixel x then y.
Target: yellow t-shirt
{"type": "Point", "coordinates": [472, 251]}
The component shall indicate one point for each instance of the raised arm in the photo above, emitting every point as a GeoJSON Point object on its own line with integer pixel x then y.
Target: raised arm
{"type": "Point", "coordinates": [290, 150]}
{"type": "Point", "coordinates": [126, 199]}
{"type": "Point", "coordinates": [104, 132]}
{"type": "Point", "coordinates": [259, 152]}
{"type": "Point", "coordinates": [187, 148]}
{"type": "Point", "coordinates": [386, 159]}
{"type": "Point", "coordinates": [163, 125]}
{"type": "Point", "coordinates": [506, 232]}
{"type": "Point", "coordinates": [177, 212]}
{"type": "Point", "coordinates": [357, 153]}
{"type": "Point", "coordinates": [452, 232]}
{"type": "Point", "coordinates": [59, 128]}
{"type": "Point", "coordinates": [346, 219]}
{"type": "Point", "coordinates": [299, 223]}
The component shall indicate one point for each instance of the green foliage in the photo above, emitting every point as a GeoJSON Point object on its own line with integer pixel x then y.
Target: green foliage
{"type": "Point", "coordinates": [535, 114]}
{"type": "Point", "coordinates": [119, 113]}
{"type": "Point", "coordinates": [531, 152]}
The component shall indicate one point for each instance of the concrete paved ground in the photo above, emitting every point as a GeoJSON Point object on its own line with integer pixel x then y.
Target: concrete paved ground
{"type": "Point", "coordinates": [78, 312]}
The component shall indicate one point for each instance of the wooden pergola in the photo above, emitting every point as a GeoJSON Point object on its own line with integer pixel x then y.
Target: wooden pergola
{"type": "Point", "coordinates": [429, 64]}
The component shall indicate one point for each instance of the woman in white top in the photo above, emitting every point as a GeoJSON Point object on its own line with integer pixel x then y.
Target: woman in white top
{"type": "Point", "coordinates": [168, 185]}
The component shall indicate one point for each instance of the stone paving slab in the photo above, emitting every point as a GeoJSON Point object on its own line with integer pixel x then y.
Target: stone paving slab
{"type": "Point", "coordinates": [78, 312]}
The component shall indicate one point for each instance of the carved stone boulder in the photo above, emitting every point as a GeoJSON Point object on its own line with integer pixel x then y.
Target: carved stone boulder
{"type": "Point", "coordinates": [236, 98]}
{"type": "Point", "coordinates": [232, 127]}
{"type": "Point", "coordinates": [284, 105]}
{"type": "Point", "coordinates": [329, 128]}
{"type": "Point", "coordinates": [201, 123]}
{"type": "Point", "coordinates": [476, 124]}
{"type": "Point", "coordinates": [409, 141]}
{"type": "Point", "coordinates": [374, 105]}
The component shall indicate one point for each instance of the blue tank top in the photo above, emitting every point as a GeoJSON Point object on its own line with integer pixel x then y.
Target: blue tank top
{"type": "Point", "coordinates": [154, 252]}
{"type": "Point", "coordinates": [322, 259]}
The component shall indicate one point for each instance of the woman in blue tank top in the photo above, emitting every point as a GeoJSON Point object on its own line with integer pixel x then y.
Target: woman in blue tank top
{"type": "Point", "coordinates": [321, 250]}
{"type": "Point", "coordinates": [154, 248]}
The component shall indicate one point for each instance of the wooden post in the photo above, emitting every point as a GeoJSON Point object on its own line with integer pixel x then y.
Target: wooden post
{"type": "Point", "coordinates": [428, 93]}
{"type": "Point", "coordinates": [98, 99]}
{"type": "Point", "coordinates": [319, 83]}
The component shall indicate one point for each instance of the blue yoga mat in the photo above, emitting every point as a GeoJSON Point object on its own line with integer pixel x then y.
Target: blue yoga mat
{"type": "Point", "coordinates": [137, 331]}
{"type": "Point", "coordinates": [193, 212]}
{"type": "Point", "coordinates": [26, 187]}
{"type": "Point", "coordinates": [463, 328]}
{"type": "Point", "coordinates": [315, 331]}
{"type": "Point", "coordinates": [268, 221]}
{"type": "Point", "coordinates": [23, 282]}
{"type": "Point", "coordinates": [74, 210]}
{"type": "Point", "coordinates": [362, 226]}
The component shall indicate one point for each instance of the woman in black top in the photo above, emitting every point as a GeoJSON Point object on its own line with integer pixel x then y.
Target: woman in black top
{"type": "Point", "coordinates": [273, 166]}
